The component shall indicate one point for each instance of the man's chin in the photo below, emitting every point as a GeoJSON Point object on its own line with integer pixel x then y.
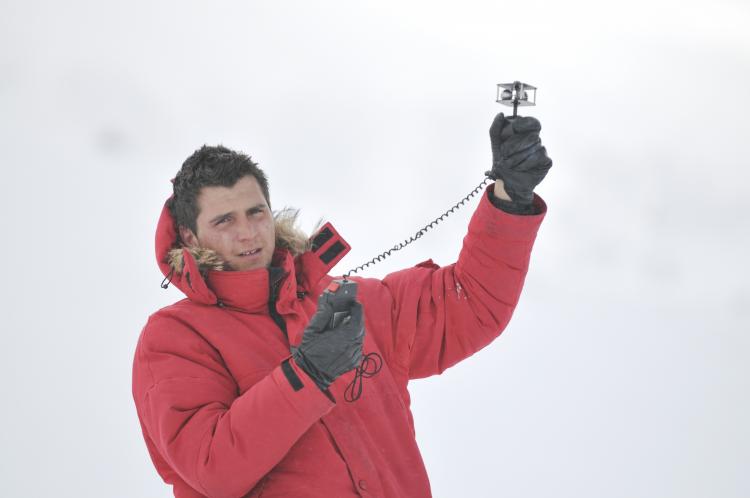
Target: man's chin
{"type": "Point", "coordinates": [242, 266]}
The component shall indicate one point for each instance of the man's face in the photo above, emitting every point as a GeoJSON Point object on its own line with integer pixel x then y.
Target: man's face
{"type": "Point", "coordinates": [237, 223]}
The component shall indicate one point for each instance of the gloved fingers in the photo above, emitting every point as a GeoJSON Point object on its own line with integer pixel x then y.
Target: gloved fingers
{"type": "Point", "coordinates": [322, 317]}
{"type": "Point", "coordinates": [546, 163]}
{"type": "Point", "coordinates": [346, 359]}
{"type": "Point", "coordinates": [533, 157]}
{"type": "Point", "coordinates": [512, 163]}
{"type": "Point", "coordinates": [497, 126]}
{"type": "Point", "coordinates": [526, 124]}
{"type": "Point", "coordinates": [519, 143]}
{"type": "Point", "coordinates": [537, 162]}
{"type": "Point", "coordinates": [357, 323]}
{"type": "Point", "coordinates": [341, 363]}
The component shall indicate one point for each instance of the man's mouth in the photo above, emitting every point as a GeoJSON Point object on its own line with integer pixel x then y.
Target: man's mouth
{"type": "Point", "coordinates": [251, 252]}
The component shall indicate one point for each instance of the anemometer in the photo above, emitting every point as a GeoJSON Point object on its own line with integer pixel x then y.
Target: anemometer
{"type": "Point", "coordinates": [516, 94]}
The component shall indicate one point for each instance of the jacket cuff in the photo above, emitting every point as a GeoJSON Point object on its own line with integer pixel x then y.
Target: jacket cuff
{"type": "Point", "coordinates": [498, 223]}
{"type": "Point", "coordinates": [512, 207]}
{"type": "Point", "coordinates": [310, 402]}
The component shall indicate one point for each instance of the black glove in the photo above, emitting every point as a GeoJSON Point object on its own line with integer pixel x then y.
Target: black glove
{"type": "Point", "coordinates": [332, 342]}
{"type": "Point", "coordinates": [518, 157]}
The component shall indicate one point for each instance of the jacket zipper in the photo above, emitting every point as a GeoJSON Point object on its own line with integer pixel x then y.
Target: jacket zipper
{"type": "Point", "coordinates": [277, 318]}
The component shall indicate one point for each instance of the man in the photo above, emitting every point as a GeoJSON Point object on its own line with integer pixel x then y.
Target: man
{"type": "Point", "coordinates": [249, 386]}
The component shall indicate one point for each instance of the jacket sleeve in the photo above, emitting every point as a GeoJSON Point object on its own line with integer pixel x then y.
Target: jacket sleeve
{"type": "Point", "coordinates": [443, 315]}
{"type": "Point", "coordinates": [219, 442]}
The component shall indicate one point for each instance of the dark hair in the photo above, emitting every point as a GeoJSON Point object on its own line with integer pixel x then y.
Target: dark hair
{"type": "Point", "coordinates": [209, 166]}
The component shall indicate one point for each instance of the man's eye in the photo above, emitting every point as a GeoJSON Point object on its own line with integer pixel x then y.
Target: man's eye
{"type": "Point", "coordinates": [222, 221]}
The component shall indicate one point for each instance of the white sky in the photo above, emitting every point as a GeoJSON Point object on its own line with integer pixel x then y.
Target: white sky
{"type": "Point", "coordinates": [624, 372]}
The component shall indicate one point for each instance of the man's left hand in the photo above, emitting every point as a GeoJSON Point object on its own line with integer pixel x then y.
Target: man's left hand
{"type": "Point", "coordinates": [518, 157]}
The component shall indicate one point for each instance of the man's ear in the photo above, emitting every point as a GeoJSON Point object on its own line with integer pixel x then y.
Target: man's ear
{"type": "Point", "coordinates": [188, 237]}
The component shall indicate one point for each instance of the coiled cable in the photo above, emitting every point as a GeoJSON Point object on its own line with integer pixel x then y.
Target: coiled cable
{"type": "Point", "coordinates": [420, 232]}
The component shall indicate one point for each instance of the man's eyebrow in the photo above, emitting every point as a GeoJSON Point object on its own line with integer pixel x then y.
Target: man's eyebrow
{"type": "Point", "coordinates": [217, 218]}
{"type": "Point", "coordinates": [258, 206]}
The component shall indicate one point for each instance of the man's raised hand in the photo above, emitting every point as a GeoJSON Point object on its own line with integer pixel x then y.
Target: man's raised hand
{"type": "Point", "coordinates": [518, 157]}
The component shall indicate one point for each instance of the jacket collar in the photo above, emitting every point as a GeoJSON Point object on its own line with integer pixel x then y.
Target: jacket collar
{"type": "Point", "coordinates": [251, 290]}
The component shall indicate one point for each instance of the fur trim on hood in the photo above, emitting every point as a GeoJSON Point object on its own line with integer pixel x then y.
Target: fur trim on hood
{"type": "Point", "coordinates": [288, 236]}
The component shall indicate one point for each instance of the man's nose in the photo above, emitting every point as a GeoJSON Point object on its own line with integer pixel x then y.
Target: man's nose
{"type": "Point", "coordinates": [246, 230]}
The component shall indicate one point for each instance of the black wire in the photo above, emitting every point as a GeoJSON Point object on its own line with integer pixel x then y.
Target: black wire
{"type": "Point", "coordinates": [370, 365]}
{"type": "Point", "coordinates": [422, 231]}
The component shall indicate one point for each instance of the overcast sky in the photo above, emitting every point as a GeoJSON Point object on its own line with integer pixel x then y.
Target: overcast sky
{"type": "Point", "coordinates": [624, 372]}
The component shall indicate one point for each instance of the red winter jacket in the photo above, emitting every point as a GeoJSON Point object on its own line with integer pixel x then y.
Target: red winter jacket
{"type": "Point", "coordinates": [216, 394]}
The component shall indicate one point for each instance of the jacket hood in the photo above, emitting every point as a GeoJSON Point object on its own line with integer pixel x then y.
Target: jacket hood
{"type": "Point", "coordinates": [188, 268]}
